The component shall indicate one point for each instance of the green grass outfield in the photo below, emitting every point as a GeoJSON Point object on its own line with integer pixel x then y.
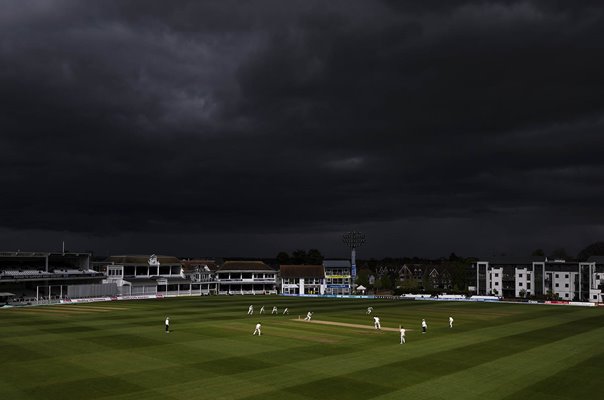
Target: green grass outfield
{"type": "Point", "coordinates": [118, 350]}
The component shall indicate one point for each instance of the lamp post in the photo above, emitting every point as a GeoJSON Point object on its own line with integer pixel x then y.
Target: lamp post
{"type": "Point", "coordinates": [353, 240]}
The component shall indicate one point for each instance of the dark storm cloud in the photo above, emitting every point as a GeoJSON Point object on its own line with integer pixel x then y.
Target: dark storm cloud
{"type": "Point", "coordinates": [446, 120]}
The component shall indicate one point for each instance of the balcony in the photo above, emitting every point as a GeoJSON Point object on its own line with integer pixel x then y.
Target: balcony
{"type": "Point", "coordinates": [250, 280]}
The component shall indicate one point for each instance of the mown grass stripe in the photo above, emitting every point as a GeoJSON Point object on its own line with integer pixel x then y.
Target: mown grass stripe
{"type": "Point", "coordinates": [574, 380]}
{"type": "Point", "coordinates": [336, 377]}
{"type": "Point", "coordinates": [459, 358]}
{"type": "Point", "coordinates": [513, 376]}
{"type": "Point", "coordinates": [344, 364]}
{"type": "Point", "coordinates": [96, 387]}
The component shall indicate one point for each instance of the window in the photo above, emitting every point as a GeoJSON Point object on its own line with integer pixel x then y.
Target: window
{"type": "Point", "coordinates": [496, 274]}
{"type": "Point", "coordinates": [519, 275]}
{"type": "Point", "coordinates": [520, 284]}
{"type": "Point", "coordinates": [557, 276]}
{"type": "Point", "coordinates": [528, 285]}
{"type": "Point", "coordinates": [557, 284]}
{"type": "Point", "coordinates": [496, 283]}
{"type": "Point", "coordinates": [566, 285]}
{"type": "Point", "coordinates": [566, 276]}
{"type": "Point", "coordinates": [566, 295]}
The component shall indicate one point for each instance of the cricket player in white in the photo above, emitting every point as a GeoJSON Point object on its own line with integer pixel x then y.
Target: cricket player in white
{"type": "Point", "coordinates": [274, 310]}
{"type": "Point", "coordinates": [167, 324]}
{"type": "Point", "coordinates": [262, 310]}
{"type": "Point", "coordinates": [402, 330]}
{"type": "Point", "coordinates": [376, 323]}
{"type": "Point", "coordinates": [369, 310]}
{"type": "Point", "coordinates": [424, 326]}
{"type": "Point", "coordinates": [250, 310]}
{"type": "Point", "coordinates": [308, 316]}
{"type": "Point", "coordinates": [286, 311]}
{"type": "Point", "coordinates": [258, 329]}
{"type": "Point", "coordinates": [450, 322]}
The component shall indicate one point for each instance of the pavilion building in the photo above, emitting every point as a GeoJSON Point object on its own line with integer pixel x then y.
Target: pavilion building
{"type": "Point", "coordinates": [246, 277]}
{"type": "Point", "coordinates": [302, 279]}
{"type": "Point", "coordinates": [338, 277]}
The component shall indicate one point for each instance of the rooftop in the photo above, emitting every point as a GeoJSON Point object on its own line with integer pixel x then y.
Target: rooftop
{"type": "Point", "coordinates": [244, 266]}
{"type": "Point", "coordinates": [336, 263]}
{"type": "Point", "coordinates": [302, 271]}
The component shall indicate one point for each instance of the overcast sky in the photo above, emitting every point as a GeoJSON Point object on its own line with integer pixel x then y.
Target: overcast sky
{"type": "Point", "coordinates": [244, 128]}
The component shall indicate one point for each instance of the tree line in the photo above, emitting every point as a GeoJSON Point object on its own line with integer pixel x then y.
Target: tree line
{"type": "Point", "coordinates": [300, 257]}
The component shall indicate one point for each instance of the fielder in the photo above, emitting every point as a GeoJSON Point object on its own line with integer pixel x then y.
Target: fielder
{"type": "Point", "coordinates": [450, 321]}
{"type": "Point", "coordinates": [250, 310]}
{"type": "Point", "coordinates": [402, 330]}
{"type": "Point", "coordinates": [376, 323]}
{"type": "Point", "coordinates": [286, 311]}
{"type": "Point", "coordinates": [369, 310]}
{"type": "Point", "coordinates": [258, 330]}
{"type": "Point", "coordinates": [262, 310]}
{"type": "Point", "coordinates": [274, 310]}
{"type": "Point", "coordinates": [167, 324]}
{"type": "Point", "coordinates": [308, 316]}
{"type": "Point", "coordinates": [424, 326]}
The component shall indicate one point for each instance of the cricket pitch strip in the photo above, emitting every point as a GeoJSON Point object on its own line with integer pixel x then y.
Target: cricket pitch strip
{"type": "Point", "coordinates": [344, 324]}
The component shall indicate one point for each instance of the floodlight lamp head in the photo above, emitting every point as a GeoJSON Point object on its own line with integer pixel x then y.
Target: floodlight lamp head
{"type": "Point", "coordinates": [353, 239]}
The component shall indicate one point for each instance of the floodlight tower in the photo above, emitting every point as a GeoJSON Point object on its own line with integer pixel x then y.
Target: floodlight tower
{"type": "Point", "coordinates": [353, 240]}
